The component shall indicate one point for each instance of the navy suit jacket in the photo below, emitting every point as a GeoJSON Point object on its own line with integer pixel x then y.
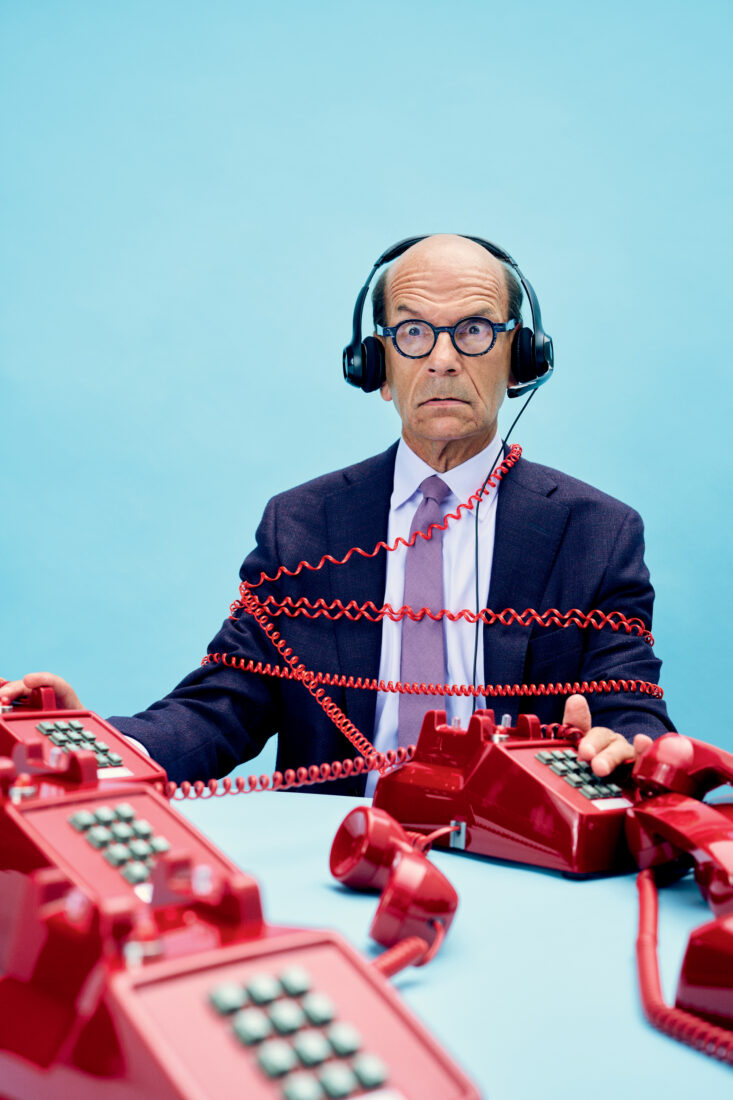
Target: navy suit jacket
{"type": "Point", "coordinates": [559, 543]}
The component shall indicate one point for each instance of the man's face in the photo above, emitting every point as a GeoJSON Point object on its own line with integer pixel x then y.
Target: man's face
{"type": "Point", "coordinates": [448, 402]}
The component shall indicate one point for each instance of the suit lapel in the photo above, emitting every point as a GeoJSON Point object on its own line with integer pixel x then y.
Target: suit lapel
{"type": "Point", "coordinates": [529, 529]}
{"type": "Point", "coordinates": [358, 515]}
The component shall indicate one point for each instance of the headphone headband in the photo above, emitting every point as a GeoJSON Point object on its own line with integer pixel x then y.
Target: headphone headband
{"type": "Point", "coordinates": [532, 351]}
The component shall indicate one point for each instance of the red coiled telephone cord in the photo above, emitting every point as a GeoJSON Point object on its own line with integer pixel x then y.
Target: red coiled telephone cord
{"type": "Point", "coordinates": [323, 773]}
{"type": "Point", "coordinates": [293, 669]}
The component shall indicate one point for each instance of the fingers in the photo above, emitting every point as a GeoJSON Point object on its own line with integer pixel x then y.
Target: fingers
{"type": "Point", "coordinates": [641, 743]}
{"type": "Point", "coordinates": [66, 697]}
{"type": "Point", "coordinates": [601, 746]}
{"type": "Point", "coordinates": [577, 713]}
{"type": "Point", "coordinates": [12, 690]}
{"type": "Point", "coordinates": [605, 749]}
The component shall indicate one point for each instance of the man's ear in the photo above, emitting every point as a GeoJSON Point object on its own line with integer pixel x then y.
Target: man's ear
{"type": "Point", "coordinates": [384, 388]}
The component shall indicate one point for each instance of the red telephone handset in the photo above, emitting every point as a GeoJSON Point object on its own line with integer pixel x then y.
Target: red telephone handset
{"type": "Point", "coordinates": [667, 829]}
{"type": "Point", "coordinates": [669, 823]}
{"type": "Point", "coordinates": [677, 763]}
{"type": "Point", "coordinates": [371, 851]}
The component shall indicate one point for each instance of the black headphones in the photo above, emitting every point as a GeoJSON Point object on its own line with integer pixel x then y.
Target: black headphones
{"type": "Point", "coordinates": [532, 357]}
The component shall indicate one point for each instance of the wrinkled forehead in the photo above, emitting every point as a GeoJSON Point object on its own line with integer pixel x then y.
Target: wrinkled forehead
{"type": "Point", "coordinates": [446, 271]}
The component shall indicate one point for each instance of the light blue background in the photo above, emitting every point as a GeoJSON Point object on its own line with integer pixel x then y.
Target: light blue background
{"type": "Point", "coordinates": [191, 195]}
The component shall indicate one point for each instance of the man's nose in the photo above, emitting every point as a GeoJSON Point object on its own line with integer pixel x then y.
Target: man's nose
{"type": "Point", "coordinates": [444, 359]}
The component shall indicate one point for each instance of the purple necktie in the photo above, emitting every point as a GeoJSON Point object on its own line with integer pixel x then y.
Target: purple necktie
{"type": "Point", "coordinates": [423, 648]}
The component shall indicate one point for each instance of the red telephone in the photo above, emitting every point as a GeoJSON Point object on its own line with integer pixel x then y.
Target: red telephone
{"type": "Point", "coordinates": [135, 960]}
{"type": "Point", "coordinates": [36, 719]}
{"type": "Point", "coordinates": [517, 793]}
{"type": "Point", "coordinates": [521, 793]}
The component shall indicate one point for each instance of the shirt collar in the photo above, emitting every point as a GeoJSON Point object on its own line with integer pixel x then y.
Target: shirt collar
{"type": "Point", "coordinates": [410, 471]}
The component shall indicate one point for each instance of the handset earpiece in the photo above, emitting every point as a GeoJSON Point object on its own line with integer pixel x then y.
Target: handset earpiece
{"type": "Point", "coordinates": [417, 900]}
{"type": "Point", "coordinates": [364, 848]}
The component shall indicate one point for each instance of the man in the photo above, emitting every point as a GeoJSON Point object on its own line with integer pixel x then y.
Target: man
{"type": "Point", "coordinates": [542, 540]}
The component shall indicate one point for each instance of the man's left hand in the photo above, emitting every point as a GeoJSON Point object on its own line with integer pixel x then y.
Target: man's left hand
{"type": "Point", "coordinates": [602, 747]}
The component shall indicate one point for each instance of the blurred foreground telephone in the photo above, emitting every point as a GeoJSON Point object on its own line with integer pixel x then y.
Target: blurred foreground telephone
{"type": "Point", "coordinates": [135, 961]}
{"type": "Point", "coordinates": [521, 793]}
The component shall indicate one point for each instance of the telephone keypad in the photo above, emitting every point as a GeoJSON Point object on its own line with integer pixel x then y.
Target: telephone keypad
{"type": "Point", "coordinates": [578, 773]}
{"type": "Point", "coordinates": [127, 841]}
{"type": "Point", "coordinates": [296, 1037]}
{"type": "Point", "coordinates": [72, 735]}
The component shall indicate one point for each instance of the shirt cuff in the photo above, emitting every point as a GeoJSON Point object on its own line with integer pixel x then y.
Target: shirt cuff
{"type": "Point", "coordinates": [137, 744]}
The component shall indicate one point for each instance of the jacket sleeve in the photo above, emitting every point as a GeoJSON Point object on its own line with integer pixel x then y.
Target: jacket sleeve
{"type": "Point", "coordinates": [617, 655]}
{"type": "Point", "coordinates": [218, 717]}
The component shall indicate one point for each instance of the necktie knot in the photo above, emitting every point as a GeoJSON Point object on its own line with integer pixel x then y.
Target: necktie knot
{"type": "Point", "coordinates": [434, 488]}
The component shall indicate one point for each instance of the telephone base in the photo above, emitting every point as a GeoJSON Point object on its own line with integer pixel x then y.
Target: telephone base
{"type": "Point", "coordinates": [517, 795]}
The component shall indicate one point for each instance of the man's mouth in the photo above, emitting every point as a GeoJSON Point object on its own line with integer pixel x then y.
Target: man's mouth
{"type": "Point", "coordinates": [444, 401]}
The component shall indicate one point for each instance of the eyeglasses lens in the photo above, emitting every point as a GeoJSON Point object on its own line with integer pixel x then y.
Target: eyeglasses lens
{"type": "Point", "coordinates": [414, 338]}
{"type": "Point", "coordinates": [474, 335]}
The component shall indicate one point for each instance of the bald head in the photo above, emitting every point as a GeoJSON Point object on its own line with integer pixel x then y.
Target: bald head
{"type": "Point", "coordinates": [447, 260]}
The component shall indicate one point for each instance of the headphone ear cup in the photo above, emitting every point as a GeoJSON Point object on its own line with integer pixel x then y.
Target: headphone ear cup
{"type": "Point", "coordinates": [524, 367]}
{"type": "Point", "coordinates": [372, 357]}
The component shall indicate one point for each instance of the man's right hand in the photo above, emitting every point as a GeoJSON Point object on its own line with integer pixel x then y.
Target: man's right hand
{"type": "Point", "coordinates": [66, 697]}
